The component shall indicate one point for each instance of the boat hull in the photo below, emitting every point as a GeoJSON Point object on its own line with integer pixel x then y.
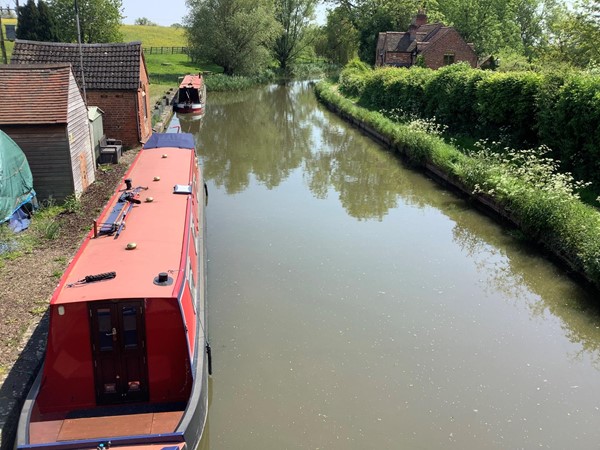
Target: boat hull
{"type": "Point", "coordinates": [177, 421]}
{"type": "Point", "coordinates": [196, 109]}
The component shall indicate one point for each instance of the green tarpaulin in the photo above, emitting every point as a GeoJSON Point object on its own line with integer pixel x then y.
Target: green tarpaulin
{"type": "Point", "coordinates": [16, 182]}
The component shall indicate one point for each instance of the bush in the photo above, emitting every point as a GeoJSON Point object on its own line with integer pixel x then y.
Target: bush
{"type": "Point", "coordinates": [523, 109]}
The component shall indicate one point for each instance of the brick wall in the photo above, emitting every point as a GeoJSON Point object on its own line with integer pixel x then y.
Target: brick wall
{"type": "Point", "coordinates": [126, 113]}
{"type": "Point", "coordinates": [401, 58]}
{"type": "Point", "coordinates": [120, 114]}
{"type": "Point", "coordinates": [451, 42]}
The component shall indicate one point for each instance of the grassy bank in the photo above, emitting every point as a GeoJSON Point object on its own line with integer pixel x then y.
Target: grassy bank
{"type": "Point", "coordinates": [154, 36]}
{"type": "Point", "coordinates": [524, 188]}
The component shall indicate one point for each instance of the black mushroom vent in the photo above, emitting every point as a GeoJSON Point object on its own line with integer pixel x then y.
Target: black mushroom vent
{"type": "Point", "coordinates": [163, 279]}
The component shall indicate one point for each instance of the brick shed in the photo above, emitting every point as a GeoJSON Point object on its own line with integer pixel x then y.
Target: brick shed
{"type": "Point", "coordinates": [116, 81]}
{"type": "Point", "coordinates": [436, 43]}
{"type": "Point", "coordinates": [43, 111]}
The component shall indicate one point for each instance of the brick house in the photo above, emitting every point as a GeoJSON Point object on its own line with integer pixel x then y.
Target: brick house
{"type": "Point", "coordinates": [42, 110]}
{"type": "Point", "coordinates": [436, 43]}
{"type": "Point", "coordinates": [116, 81]}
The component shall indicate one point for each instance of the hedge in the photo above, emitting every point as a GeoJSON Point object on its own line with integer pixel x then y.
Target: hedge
{"type": "Point", "coordinates": [523, 109]}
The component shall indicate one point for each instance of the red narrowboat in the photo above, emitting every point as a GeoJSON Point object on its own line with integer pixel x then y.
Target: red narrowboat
{"type": "Point", "coordinates": [127, 358]}
{"type": "Point", "coordinates": [191, 96]}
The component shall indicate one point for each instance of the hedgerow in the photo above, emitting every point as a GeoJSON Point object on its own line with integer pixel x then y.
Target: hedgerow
{"type": "Point", "coordinates": [523, 109]}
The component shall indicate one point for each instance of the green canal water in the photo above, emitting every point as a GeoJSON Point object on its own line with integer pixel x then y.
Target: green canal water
{"type": "Point", "coordinates": [355, 304]}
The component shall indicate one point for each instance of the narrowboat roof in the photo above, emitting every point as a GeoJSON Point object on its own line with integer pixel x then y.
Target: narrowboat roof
{"type": "Point", "coordinates": [193, 81]}
{"type": "Point", "coordinates": [158, 228]}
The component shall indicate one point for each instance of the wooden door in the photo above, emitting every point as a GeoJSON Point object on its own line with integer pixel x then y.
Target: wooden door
{"type": "Point", "coordinates": [119, 351]}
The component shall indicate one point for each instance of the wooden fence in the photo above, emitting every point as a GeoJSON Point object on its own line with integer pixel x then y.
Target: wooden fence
{"type": "Point", "coordinates": [165, 50]}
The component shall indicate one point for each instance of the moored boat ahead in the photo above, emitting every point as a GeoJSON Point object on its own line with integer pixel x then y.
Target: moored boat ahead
{"type": "Point", "coordinates": [127, 358]}
{"type": "Point", "coordinates": [191, 97]}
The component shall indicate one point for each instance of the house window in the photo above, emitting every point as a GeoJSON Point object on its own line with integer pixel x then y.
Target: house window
{"type": "Point", "coordinates": [448, 59]}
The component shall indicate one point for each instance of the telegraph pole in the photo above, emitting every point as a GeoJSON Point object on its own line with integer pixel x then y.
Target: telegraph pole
{"type": "Point", "coordinates": [80, 53]}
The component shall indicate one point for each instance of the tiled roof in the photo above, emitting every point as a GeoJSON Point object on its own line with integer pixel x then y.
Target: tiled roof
{"type": "Point", "coordinates": [399, 41]}
{"type": "Point", "coordinates": [34, 94]}
{"type": "Point", "coordinates": [107, 66]}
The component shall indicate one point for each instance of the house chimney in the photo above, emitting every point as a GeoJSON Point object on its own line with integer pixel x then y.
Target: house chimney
{"type": "Point", "coordinates": [421, 18]}
{"type": "Point", "coordinates": [412, 31]}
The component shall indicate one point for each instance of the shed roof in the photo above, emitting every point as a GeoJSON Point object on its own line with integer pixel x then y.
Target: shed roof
{"type": "Point", "coordinates": [94, 112]}
{"type": "Point", "coordinates": [107, 66]}
{"type": "Point", "coordinates": [34, 94]}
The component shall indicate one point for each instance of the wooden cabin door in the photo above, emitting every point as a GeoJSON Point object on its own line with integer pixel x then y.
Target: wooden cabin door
{"type": "Point", "coordinates": [119, 351]}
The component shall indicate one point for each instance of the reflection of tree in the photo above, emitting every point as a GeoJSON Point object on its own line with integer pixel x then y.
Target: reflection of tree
{"type": "Point", "coordinates": [265, 134]}
{"type": "Point", "coordinates": [368, 180]}
{"type": "Point", "coordinates": [514, 269]}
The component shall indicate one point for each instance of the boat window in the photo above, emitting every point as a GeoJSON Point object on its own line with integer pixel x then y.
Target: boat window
{"type": "Point", "coordinates": [129, 327]}
{"type": "Point", "coordinates": [105, 335]}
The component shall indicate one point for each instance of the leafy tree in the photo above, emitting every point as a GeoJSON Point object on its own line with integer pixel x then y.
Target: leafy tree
{"type": "Point", "coordinates": [47, 26]}
{"type": "Point", "coordinates": [488, 25]}
{"type": "Point", "coordinates": [370, 17]}
{"type": "Point", "coordinates": [294, 17]}
{"type": "Point", "coordinates": [144, 21]}
{"type": "Point", "coordinates": [573, 36]}
{"type": "Point", "coordinates": [588, 21]}
{"type": "Point", "coordinates": [340, 39]}
{"type": "Point", "coordinates": [99, 20]}
{"type": "Point", "coordinates": [237, 35]}
{"type": "Point", "coordinates": [28, 18]}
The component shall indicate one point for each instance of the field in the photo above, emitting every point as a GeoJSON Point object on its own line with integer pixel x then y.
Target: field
{"type": "Point", "coordinates": [154, 36]}
{"type": "Point", "coordinates": [164, 70]}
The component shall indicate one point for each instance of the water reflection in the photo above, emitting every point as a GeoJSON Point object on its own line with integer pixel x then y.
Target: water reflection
{"type": "Point", "coordinates": [282, 128]}
{"type": "Point", "coordinates": [357, 299]}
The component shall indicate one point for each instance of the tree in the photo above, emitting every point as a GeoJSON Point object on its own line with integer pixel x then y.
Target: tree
{"type": "Point", "coordinates": [47, 26]}
{"type": "Point", "coordinates": [28, 18]}
{"type": "Point", "coordinates": [237, 35]}
{"type": "Point", "coordinates": [573, 36]}
{"type": "Point", "coordinates": [294, 16]}
{"type": "Point", "coordinates": [99, 20]}
{"type": "Point", "coordinates": [144, 21]}
{"type": "Point", "coordinates": [488, 24]}
{"type": "Point", "coordinates": [370, 17]}
{"type": "Point", "coordinates": [340, 39]}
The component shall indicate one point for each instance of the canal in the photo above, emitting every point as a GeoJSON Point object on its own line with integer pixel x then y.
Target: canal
{"type": "Point", "coordinates": [355, 304]}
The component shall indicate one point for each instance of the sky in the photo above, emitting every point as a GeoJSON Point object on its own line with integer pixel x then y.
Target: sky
{"type": "Point", "coordinates": [162, 13]}
{"type": "Point", "coordinates": [158, 13]}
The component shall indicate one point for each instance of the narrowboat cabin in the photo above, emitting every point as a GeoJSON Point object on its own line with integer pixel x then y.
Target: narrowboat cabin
{"type": "Point", "coordinates": [191, 97]}
{"type": "Point", "coordinates": [127, 358]}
